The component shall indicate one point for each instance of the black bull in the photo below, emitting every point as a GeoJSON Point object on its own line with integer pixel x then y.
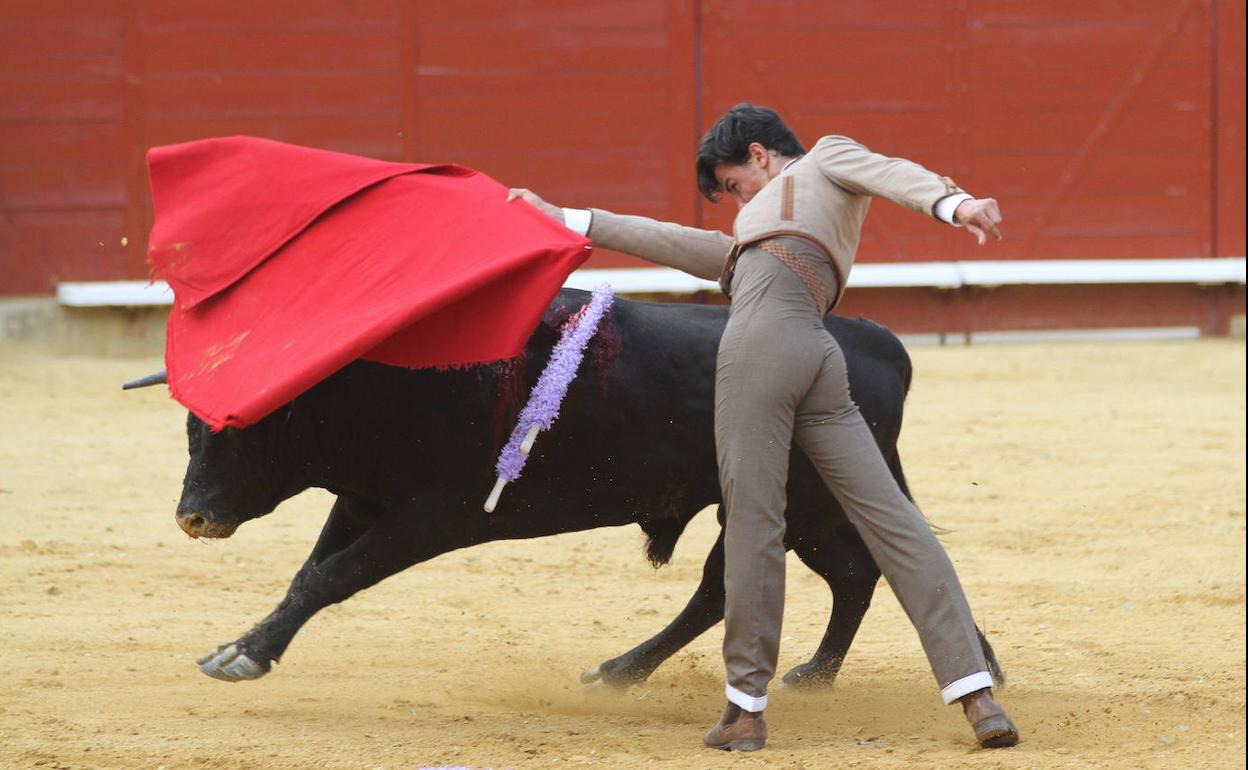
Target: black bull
{"type": "Point", "coordinates": [410, 456]}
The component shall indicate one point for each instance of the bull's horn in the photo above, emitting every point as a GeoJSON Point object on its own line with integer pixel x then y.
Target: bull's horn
{"type": "Point", "coordinates": [159, 378]}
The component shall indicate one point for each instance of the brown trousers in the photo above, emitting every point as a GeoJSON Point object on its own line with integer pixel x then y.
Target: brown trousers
{"type": "Point", "coordinates": [781, 380]}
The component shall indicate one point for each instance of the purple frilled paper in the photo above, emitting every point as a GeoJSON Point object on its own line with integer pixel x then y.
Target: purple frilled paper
{"type": "Point", "coordinates": [543, 406]}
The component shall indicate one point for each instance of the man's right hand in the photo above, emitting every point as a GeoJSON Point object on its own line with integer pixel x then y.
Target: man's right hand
{"type": "Point", "coordinates": [535, 200]}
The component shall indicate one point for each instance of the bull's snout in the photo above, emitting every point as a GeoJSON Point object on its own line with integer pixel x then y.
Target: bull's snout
{"type": "Point", "coordinates": [200, 525]}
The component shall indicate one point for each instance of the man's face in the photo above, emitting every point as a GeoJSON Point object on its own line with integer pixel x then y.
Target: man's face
{"type": "Point", "coordinates": [743, 182]}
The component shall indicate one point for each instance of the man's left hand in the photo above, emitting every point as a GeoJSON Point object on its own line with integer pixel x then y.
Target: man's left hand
{"type": "Point", "coordinates": [981, 216]}
{"type": "Point", "coordinates": [535, 200]}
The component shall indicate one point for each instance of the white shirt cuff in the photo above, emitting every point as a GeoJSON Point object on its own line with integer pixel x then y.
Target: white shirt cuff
{"type": "Point", "coordinates": [981, 680]}
{"type": "Point", "coordinates": [748, 702]}
{"type": "Point", "coordinates": [946, 206]}
{"type": "Point", "coordinates": [578, 220]}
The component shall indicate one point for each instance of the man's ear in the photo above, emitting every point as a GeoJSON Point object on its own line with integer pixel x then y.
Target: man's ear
{"type": "Point", "coordinates": [759, 153]}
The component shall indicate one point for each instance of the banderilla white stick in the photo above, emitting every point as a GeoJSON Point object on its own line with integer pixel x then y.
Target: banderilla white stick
{"type": "Point", "coordinates": [500, 482]}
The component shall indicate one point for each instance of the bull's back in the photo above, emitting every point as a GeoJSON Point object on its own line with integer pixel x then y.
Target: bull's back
{"type": "Point", "coordinates": [662, 382]}
{"type": "Point", "coordinates": [635, 435]}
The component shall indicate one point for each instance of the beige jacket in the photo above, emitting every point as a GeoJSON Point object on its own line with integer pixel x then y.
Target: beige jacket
{"type": "Point", "coordinates": [823, 196]}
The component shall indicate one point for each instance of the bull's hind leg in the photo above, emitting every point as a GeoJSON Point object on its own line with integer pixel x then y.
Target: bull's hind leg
{"type": "Point", "coordinates": [252, 656]}
{"type": "Point", "coordinates": [705, 609]}
{"type": "Point", "coordinates": [838, 555]}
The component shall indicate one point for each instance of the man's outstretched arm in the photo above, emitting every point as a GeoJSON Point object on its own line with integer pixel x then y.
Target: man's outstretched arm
{"type": "Point", "coordinates": [698, 252]}
{"type": "Point", "coordinates": [850, 165]}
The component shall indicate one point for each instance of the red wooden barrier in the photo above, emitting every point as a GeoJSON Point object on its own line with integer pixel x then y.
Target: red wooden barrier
{"type": "Point", "coordinates": [1106, 129]}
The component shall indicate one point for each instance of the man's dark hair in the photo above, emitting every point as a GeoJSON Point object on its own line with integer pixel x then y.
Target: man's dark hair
{"type": "Point", "coordinates": [728, 141]}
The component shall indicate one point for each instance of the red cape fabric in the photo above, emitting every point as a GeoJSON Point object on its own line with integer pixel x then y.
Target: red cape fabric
{"type": "Point", "coordinates": [288, 263]}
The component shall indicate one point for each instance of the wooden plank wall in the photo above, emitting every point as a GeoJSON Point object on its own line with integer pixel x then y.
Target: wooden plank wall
{"type": "Point", "coordinates": [1088, 120]}
{"type": "Point", "coordinates": [1107, 128]}
{"type": "Point", "coordinates": [1229, 128]}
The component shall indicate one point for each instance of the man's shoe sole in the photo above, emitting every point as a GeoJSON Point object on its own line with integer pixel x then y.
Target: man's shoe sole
{"type": "Point", "coordinates": [745, 744]}
{"type": "Point", "coordinates": [996, 733]}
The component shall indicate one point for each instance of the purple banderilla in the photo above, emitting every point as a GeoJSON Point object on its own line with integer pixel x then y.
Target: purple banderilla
{"type": "Point", "coordinates": [543, 406]}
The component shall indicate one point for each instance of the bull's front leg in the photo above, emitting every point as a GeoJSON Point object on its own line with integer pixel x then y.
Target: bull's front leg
{"type": "Point", "coordinates": [705, 609]}
{"type": "Point", "coordinates": [252, 655]}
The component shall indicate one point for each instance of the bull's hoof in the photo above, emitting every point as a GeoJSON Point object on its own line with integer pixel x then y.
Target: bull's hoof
{"type": "Point", "coordinates": [810, 676]}
{"type": "Point", "coordinates": [229, 664]}
{"type": "Point", "coordinates": [595, 687]}
{"type": "Point", "coordinates": [597, 684]}
{"type": "Point", "coordinates": [605, 679]}
{"type": "Point", "coordinates": [602, 690]}
{"type": "Point", "coordinates": [591, 676]}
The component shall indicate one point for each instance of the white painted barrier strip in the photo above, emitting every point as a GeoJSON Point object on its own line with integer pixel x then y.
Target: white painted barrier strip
{"type": "Point", "coordinates": [939, 275]}
{"type": "Point", "coordinates": [1125, 334]}
{"type": "Point", "coordinates": [936, 275]}
{"type": "Point", "coordinates": [953, 275]}
{"type": "Point", "coordinates": [113, 293]}
{"type": "Point", "coordinates": [640, 280]}
{"type": "Point", "coordinates": [1101, 271]}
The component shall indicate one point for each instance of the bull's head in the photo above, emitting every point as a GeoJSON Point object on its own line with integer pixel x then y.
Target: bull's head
{"type": "Point", "coordinates": [233, 475]}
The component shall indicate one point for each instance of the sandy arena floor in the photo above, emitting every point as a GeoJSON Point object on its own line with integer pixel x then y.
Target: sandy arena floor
{"type": "Point", "coordinates": [1096, 493]}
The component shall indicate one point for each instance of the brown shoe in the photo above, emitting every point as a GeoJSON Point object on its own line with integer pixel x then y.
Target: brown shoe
{"type": "Point", "coordinates": [992, 726]}
{"type": "Point", "coordinates": [738, 730]}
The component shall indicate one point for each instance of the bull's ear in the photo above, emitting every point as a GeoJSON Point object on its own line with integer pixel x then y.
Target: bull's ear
{"type": "Point", "coordinates": [159, 378]}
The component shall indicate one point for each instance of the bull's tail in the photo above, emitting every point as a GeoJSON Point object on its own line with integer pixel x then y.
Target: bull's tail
{"type": "Point", "coordinates": [894, 466]}
{"type": "Point", "coordinates": [906, 371]}
{"type": "Point", "coordinates": [994, 668]}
